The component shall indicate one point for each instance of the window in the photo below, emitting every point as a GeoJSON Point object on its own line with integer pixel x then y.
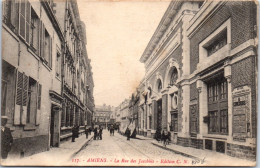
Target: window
{"type": "Point", "coordinates": [217, 43]}
{"type": "Point", "coordinates": [174, 121]}
{"type": "Point", "coordinates": [174, 77]}
{"type": "Point", "coordinates": [10, 11]}
{"type": "Point", "coordinates": [217, 105]}
{"type": "Point", "coordinates": [34, 32]}
{"type": "Point", "coordinates": [58, 65]}
{"type": "Point", "coordinates": [47, 48]}
{"type": "Point", "coordinates": [24, 19]}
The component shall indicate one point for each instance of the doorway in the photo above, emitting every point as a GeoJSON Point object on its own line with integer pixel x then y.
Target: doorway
{"type": "Point", "coordinates": [54, 126]}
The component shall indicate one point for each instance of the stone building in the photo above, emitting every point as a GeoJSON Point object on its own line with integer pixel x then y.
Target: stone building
{"type": "Point", "coordinates": [77, 82]}
{"type": "Point", "coordinates": [38, 47]}
{"type": "Point", "coordinates": [31, 68]}
{"type": "Point", "coordinates": [124, 115]}
{"type": "Point", "coordinates": [102, 115]}
{"type": "Point", "coordinates": [201, 75]}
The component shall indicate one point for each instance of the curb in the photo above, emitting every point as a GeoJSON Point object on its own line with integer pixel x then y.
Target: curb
{"type": "Point", "coordinates": [82, 147]}
{"type": "Point", "coordinates": [177, 152]}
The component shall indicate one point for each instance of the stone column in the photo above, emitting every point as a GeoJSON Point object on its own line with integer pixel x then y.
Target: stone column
{"type": "Point", "coordinates": [164, 111]}
{"type": "Point", "coordinates": [227, 74]}
{"type": "Point", "coordinates": [185, 112]}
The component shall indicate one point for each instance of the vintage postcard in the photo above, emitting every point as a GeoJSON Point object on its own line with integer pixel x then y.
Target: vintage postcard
{"type": "Point", "coordinates": [129, 82]}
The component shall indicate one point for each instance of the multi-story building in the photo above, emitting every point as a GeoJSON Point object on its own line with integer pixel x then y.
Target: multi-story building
{"type": "Point", "coordinates": [102, 115]}
{"type": "Point", "coordinates": [77, 82]}
{"type": "Point", "coordinates": [31, 68]}
{"type": "Point", "coordinates": [201, 66]}
{"type": "Point", "coordinates": [142, 109]}
{"type": "Point", "coordinates": [47, 83]}
{"type": "Point", "coordinates": [125, 115]}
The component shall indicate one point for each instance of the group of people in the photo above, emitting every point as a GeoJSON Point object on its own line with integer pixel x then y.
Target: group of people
{"type": "Point", "coordinates": [163, 136]}
{"type": "Point", "coordinates": [98, 133]}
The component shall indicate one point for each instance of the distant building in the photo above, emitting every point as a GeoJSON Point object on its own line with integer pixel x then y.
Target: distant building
{"type": "Point", "coordinates": [102, 115]}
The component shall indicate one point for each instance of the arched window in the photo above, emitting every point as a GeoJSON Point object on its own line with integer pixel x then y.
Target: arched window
{"type": "Point", "coordinates": [159, 86]}
{"type": "Point", "coordinates": [174, 76]}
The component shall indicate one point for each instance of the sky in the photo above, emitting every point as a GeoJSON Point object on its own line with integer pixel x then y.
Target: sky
{"type": "Point", "coordinates": [117, 35]}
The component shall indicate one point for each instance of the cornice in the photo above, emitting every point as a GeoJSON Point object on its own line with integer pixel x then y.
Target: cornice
{"type": "Point", "coordinates": [160, 30]}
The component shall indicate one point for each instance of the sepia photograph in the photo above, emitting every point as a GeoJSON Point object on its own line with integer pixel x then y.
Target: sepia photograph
{"type": "Point", "coordinates": [129, 82]}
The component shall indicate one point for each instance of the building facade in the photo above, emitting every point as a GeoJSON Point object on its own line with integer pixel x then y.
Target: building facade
{"type": "Point", "coordinates": [102, 116]}
{"type": "Point", "coordinates": [77, 82]}
{"type": "Point", "coordinates": [36, 82]}
{"type": "Point", "coordinates": [31, 89]}
{"type": "Point", "coordinates": [124, 115]}
{"type": "Point", "coordinates": [201, 75]}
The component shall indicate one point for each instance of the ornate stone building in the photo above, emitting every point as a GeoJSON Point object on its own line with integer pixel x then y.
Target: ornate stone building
{"type": "Point", "coordinates": [200, 81]}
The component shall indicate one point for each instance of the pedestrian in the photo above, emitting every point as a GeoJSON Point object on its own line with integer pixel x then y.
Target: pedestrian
{"type": "Point", "coordinates": [128, 133]}
{"type": "Point", "coordinates": [86, 132]}
{"type": "Point", "coordinates": [74, 133]}
{"type": "Point", "coordinates": [100, 133]}
{"type": "Point", "coordinates": [164, 138]}
{"type": "Point", "coordinates": [6, 138]}
{"type": "Point", "coordinates": [95, 133]}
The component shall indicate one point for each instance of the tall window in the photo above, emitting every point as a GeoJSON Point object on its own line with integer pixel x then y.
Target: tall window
{"type": "Point", "coordinates": [34, 32]}
{"type": "Point", "coordinates": [217, 105]}
{"type": "Point", "coordinates": [47, 48]}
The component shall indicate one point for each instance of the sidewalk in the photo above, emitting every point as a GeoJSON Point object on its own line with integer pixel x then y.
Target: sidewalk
{"type": "Point", "coordinates": [206, 157]}
{"type": "Point", "coordinates": [55, 156]}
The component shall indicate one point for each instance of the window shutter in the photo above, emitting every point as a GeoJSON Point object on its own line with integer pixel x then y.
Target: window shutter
{"type": "Point", "coordinates": [19, 97]}
{"type": "Point", "coordinates": [42, 39]}
{"type": "Point", "coordinates": [39, 94]}
{"type": "Point", "coordinates": [38, 114]}
{"type": "Point", "coordinates": [22, 9]}
{"type": "Point", "coordinates": [28, 21]}
{"type": "Point", "coordinates": [25, 98]}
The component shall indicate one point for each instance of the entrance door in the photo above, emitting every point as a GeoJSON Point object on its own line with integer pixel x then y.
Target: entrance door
{"type": "Point", "coordinates": [159, 114]}
{"type": "Point", "coordinates": [54, 126]}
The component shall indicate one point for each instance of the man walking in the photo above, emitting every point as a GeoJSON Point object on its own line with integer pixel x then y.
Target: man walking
{"type": "Point", "coordinates": [6, 138]}
{"type": "Point", "coordinates": [100, 133]}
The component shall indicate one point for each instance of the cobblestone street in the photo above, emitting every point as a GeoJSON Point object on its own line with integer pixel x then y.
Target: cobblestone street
{"type": "Point", "coordinates": [116, 150]}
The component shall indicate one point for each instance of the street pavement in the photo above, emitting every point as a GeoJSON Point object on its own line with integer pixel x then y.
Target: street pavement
{"type": "Point", "coordinates": [117, 151]}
